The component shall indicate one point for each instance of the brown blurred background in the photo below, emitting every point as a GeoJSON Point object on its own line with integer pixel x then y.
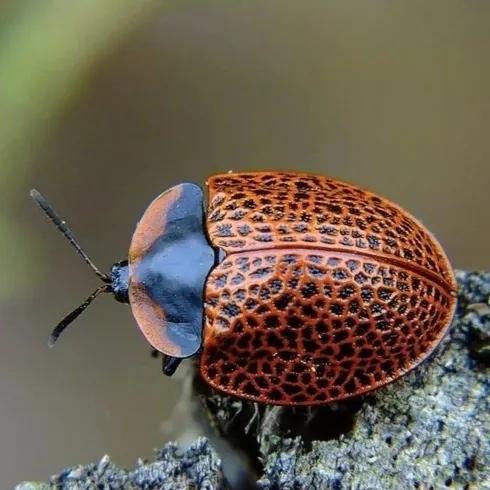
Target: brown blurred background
{"type": "Point", "coordinates": [103, 105]}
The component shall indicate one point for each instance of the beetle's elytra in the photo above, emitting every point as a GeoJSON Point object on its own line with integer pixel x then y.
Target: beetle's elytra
{"type": "Point", "coordinates": [294, 289]}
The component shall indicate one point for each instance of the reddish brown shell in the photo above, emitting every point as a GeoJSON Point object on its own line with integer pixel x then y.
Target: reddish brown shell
{"type": "Point", "coordinates": [327, 291]}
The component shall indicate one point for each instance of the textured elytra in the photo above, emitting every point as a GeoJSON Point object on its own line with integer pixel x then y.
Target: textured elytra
{"type": "Point", "coordinates": [298, 327]}
{"type": "Point", "coordinates": [297, 315]}
{"type": "Point", "coordinates": [260, 210]}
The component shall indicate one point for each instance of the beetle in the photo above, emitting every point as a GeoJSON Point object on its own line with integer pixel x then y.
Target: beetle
{"type": "Point", "coordinates": [294, 289]}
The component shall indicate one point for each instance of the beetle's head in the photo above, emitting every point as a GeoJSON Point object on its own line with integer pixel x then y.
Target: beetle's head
{"type": "Point", "coordinates": [120, 281]}
{"type": "Point", "coordinates": [115, 283]}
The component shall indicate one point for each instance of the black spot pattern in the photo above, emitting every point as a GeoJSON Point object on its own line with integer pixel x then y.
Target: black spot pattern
{"type": "Point", "coordinates": [309, 347]}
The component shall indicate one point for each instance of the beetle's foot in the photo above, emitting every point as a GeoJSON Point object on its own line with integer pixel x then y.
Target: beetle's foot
{"type": "Point", "coordinates": [170, 364]}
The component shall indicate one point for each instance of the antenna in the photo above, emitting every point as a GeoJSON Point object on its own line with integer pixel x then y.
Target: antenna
{"type": "Point", "coordinates": [58, 330]}
{"type": "Point", "coordinates": [61, 225]}
{"type": "Point", "coordinates": [42, 202]}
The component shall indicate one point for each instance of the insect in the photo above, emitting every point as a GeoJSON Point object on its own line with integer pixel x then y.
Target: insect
{"type": "Point", "coordinates": [294, 289]}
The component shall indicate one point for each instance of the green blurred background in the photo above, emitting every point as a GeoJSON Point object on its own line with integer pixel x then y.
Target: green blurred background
{"type": "Point", "coordinates": [104, 104]}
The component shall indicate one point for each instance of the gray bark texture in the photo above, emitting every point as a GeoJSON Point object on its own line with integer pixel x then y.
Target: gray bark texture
{"type": "Point", "coordinates": [428, 430]}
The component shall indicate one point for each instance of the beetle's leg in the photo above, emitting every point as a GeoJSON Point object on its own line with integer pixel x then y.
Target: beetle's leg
{"type": "Point", "coordinates": [170, 364]}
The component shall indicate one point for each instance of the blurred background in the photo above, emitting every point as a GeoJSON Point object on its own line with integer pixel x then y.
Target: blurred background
{"type": "Point", "coordinates": [103, 105]}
